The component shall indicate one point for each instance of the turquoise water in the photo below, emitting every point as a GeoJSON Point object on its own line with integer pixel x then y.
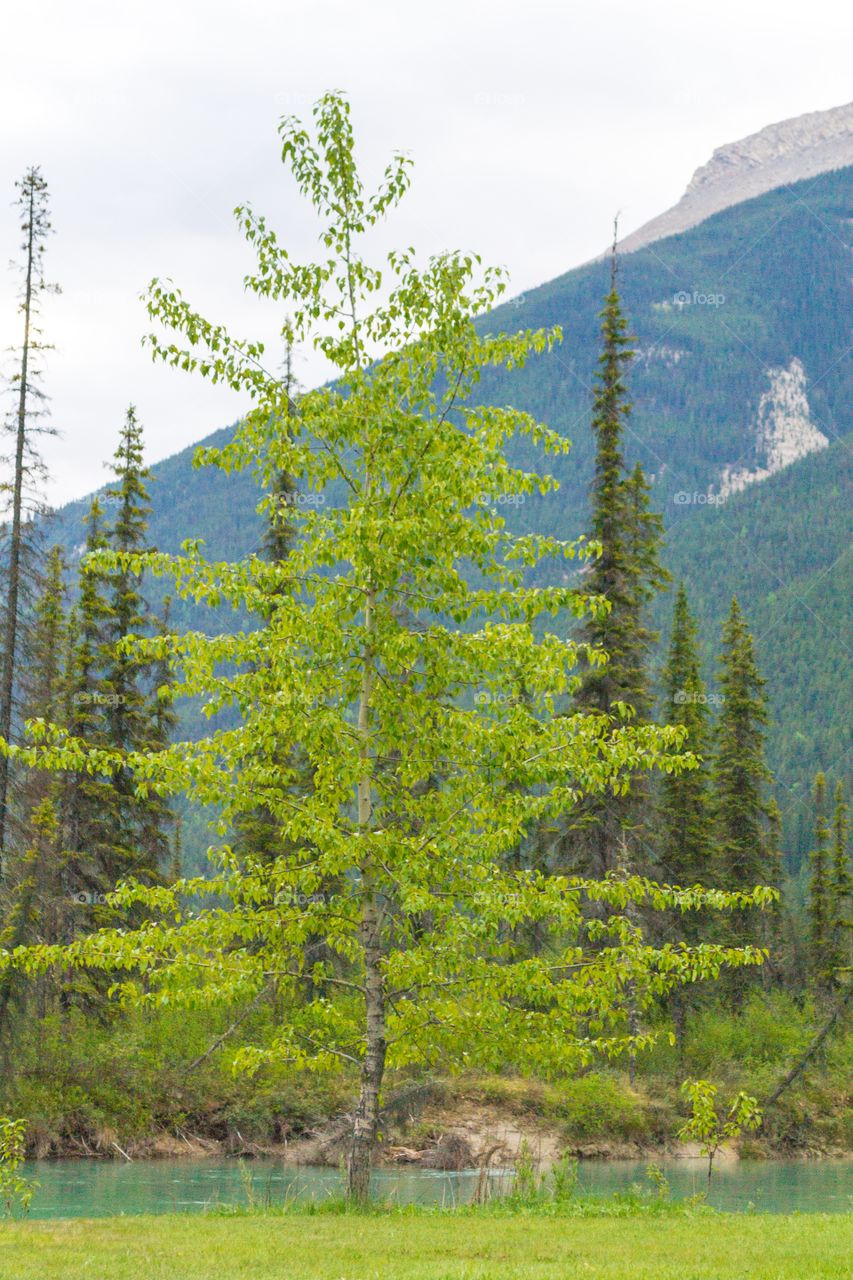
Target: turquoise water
{"type": "Point", "coordinates": [99, 1188]}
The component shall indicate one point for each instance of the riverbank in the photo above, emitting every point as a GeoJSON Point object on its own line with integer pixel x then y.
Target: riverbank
{"type": "Point", "coordinates": [480, 1244]}
{"type": "Point", "coordinates": [465, 1122]}
{"type": "Point", "coordinates": [159, 1083]}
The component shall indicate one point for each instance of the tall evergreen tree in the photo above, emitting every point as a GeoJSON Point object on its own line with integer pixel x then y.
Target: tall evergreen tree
{"type": "Point", "coordinates": [33, 900]}
{"type": "Point", "coordinates": [627, 573]}
{"type": "Point", "coordinates": [258, 832]}
{"type": "Point", "coordinates": [684, 809]}
{"type": "Point", "coordinates": [90, 810]}
{"type": "Point", "coordinates": [23, 495]}
{"type": "Point", "coordinates": [820, 903]}
{"type": "Point", "coordinates": [740, 774]}
{"type": "Point", "coordinates": [644, 543]}
{"type": "Point", "coordinates": [683, 828]}
{"type": "Point", "coordinates": [840, 890]}
{"type": "Point", "coordinates": [44, 689]}
{"type": "Point", "coordinates": [137, 718]}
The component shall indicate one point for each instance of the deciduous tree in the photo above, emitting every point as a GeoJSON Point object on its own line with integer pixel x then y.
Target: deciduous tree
{"type": "Point", "coordinates": [368, 662]}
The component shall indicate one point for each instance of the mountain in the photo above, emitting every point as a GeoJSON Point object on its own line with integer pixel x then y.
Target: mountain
{"type": "Point", "coordinates": [742, 392]}
{"type": "Point", "coordinates": [777, 156]}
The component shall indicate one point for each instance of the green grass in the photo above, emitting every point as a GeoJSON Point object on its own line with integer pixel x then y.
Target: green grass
{"type": "Point", "coordinates": [431, 1246]}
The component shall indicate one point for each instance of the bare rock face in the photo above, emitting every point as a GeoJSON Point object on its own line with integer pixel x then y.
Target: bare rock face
{"type": "Point", "coordinates": [782, 434]}
{"type": "Point", "coordinates": [778, 155]}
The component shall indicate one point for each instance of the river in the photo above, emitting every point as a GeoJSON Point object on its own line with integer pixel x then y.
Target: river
{"type": "Point", "coordinates": [99, 1188]}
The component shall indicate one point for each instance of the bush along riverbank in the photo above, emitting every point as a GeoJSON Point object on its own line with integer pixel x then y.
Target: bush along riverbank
{"type": "Point", "coordinates": [148, 1084]}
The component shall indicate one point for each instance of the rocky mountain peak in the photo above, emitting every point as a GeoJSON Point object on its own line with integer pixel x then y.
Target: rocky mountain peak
{"type": "Point", "coordinates": [776, 156]}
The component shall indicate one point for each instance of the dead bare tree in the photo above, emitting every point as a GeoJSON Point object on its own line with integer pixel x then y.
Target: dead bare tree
{"type": "Point", "coordinates": [23, 492]}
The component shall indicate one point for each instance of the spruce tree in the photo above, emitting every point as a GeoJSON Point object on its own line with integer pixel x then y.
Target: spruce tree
{"type": "Point", "coordinates": [44, 689]}
{"type": "Point", "coordinates": [683, 829]}
{"type": "Point", "coordinates": [627, 573]}
{"type": "Point", "coordinates": [740, 774]}
{"type": "Point", "coordinates": [644, 543]}
{"type": "Point", "coordinates": [820, 906]}
{"type": "Point", "coordinates": [258, 833]}
{"type": "Point", "coordinates": [23, 500]}
{"type": "Point", "coordinates": [684, 810]}
{"type": "Point", "coordinates": [34, 901]}
{"type": "Point", "coordinates": [840, 890]}
{"type": "Point", "coordinates": [612, 574]}
{"type": "Point", "coordinates": [137, 718]}
{"type": "Point", "coordinates": [91, 810]}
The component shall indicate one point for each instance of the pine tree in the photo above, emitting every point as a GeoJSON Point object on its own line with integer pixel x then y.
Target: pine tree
{"type": "Point", "coordinates": [24, 501]}
{"type": "Point", "coordinates": [627, 572]}
{"type": "Point", "coordinates": [644, 543]}
{"type": "Point", "coordinates": [90, 811]}
{"type": "Point", "coordinates": [684, 811]}
{"type": "Point", "coordinates": [258, 833]}
{"type": "Point", "coordinates": [279, 533]}
{"type": "Point", "coordinates": [820, 908]}
{"type": "Point", "coordinates": [138, 719]}
{"type": "Point", "coordinates": [44, 689]}
{"type": "Point", "coordinates": [27, 909]}
{"type": "Point", "coordinates": [34, 902]}
{"type": "Point", "coordinates": [740, 774]}
{"type": "Point", "coordinates": [772, 919]}
{"type": "Point", "coordinates": [612, 574]}
{"type": "Point", "coordinates": [840, 890]}
{"type": "Point", "coordinates": [683, 828]}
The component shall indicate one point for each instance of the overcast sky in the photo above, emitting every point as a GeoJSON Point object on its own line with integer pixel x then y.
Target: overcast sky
{"type": "Point", "coordinates": [530, 125]}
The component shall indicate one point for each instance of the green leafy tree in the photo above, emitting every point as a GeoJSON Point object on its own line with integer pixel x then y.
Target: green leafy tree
{"type": "Point", "coordinates": [710, 1127]}
{"type": "Point", "coordinates": [258, 831]}
{"type": "Point", "coordinates": [367, 666]}
{"type": "Point", "coordinates": [16, 1191]}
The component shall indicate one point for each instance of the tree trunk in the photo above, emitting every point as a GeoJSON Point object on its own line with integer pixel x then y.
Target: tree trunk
{"type": "Point", "coordinates": [679, 1022]}
{"type": "Point", "coordinates": [805, 1058]}
{"type": "Point", "coordinates": [366, 1122]}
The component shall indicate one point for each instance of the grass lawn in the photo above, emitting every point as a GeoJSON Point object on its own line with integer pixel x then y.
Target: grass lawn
{"type": "Point", "coordinates": [430, 1246]}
